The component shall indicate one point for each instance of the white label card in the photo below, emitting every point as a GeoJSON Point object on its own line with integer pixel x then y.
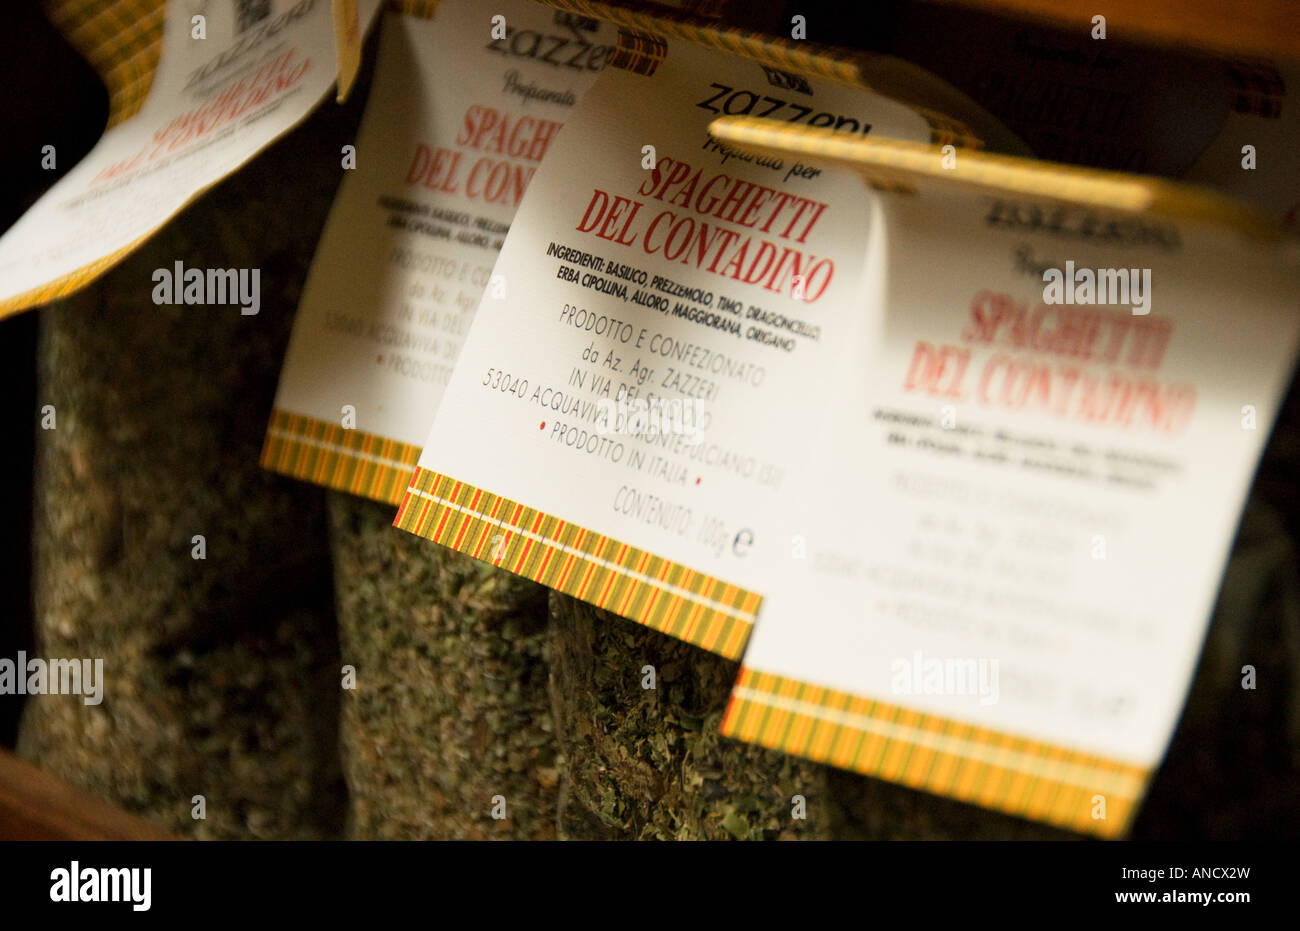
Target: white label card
{"type": "Point", "coordinates": [216, 101]}
{"type": "Point", "coordinates": [627, 418]}
{"type": "Point", "coordinates": [1027, 496]}
{"type": "Point", "coordinates": [456, 126]}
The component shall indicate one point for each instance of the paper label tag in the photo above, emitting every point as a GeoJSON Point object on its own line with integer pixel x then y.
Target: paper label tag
{"type": "Point", "coordinates": [1026, 501]}
{"type": "Point", "coordinates": [627, 415]}
{"type": "Point", "coordinates": [215, 102]}
{"type": "Point", "coordinates": [455, 127]}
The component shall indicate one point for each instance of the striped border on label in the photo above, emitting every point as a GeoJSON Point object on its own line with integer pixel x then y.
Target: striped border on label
{"type": "Point", "coordinates": [326, 454]}
{"type": "Point", "coordinates": [663, 595]}
{"type": "Point", "coordinates": [639, 53]}
{"type": "Point", "coordinates": [69, 283]}
{"type": "Point", "coordinates": [122, 41]}
{"type": "Point", "coordinates": [1015, 775]}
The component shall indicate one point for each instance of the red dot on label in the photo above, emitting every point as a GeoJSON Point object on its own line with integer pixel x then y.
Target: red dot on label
{"type": "Point", "coordinates": [697, 479]}
{"type": "Point", "coordinates": [543, 425]}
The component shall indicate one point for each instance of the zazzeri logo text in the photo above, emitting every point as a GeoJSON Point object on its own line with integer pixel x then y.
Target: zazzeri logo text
{"type": "Point", "coordinates": [571, 51]}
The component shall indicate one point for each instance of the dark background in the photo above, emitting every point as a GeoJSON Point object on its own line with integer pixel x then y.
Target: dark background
{"type": "Point", "coordinates": [1228, 752]}
{"type": "Point", "coordinates": [51, 97]}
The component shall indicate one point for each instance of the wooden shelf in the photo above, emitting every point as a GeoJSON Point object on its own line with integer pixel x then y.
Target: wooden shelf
{"type": "Point", "coordinates": [36, 805]}
{"type": "Point", "coordinates": [1257, 28]}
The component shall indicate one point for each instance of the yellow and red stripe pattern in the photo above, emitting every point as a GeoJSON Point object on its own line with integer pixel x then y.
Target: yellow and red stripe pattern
{"type": "Point", "coordinates": [68, 284]}
{"type": "Point", "coordinates": [649, 589]}
{"type": "Point", "coordinates": [1012, 774]}
{"type": "Point", "coordinates": [328, 454]}
{"type": "Point", "coordinates": [122, 40]}
{"type": "Point", "coordinates": [639, 53]}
